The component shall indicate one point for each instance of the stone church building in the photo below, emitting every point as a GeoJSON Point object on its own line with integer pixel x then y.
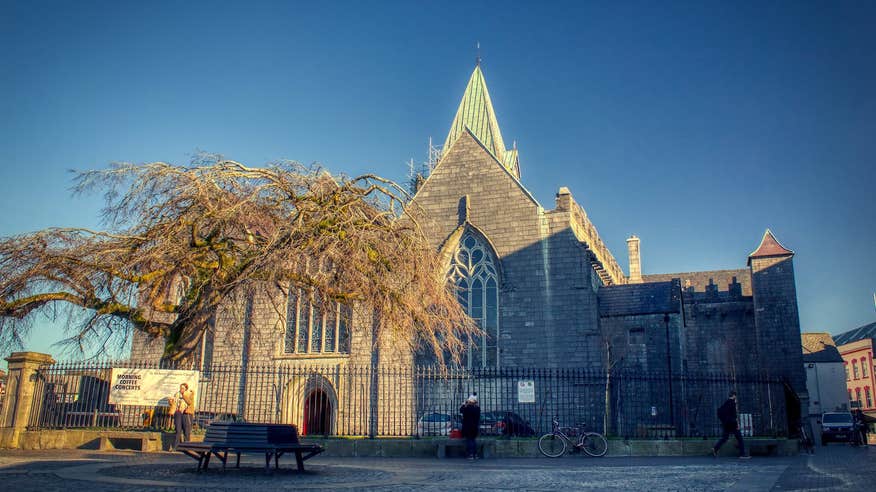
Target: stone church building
{"type": "Point", "coordinates": [541, 284]}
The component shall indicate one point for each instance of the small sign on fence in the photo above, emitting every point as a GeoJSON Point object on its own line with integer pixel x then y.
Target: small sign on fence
{"type": "Point", "coordinates": [149, 386]}
{"type": "Point", "coordinates": [526, 391]}
{"type": "Point", "coordinates": [745, 424]}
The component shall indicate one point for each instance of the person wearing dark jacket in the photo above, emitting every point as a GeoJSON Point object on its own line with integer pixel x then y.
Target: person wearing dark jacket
{"type": "Point", "coordinates": [471, 420]}
{"type": "Point", "coordinates": [729, 425]}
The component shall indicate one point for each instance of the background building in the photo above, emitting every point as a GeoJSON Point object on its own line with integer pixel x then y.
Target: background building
{"type": "Point", "coordinates": [825, 374]}
{"type": "Point", "coordinates": [856, 347]}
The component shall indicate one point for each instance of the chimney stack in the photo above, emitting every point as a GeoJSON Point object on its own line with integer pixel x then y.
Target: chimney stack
{"type": "Point", "coordinates": [635, 260]}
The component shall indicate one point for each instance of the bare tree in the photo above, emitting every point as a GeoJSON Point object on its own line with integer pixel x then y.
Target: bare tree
{"type": "Point", "coordinates": [182, 240]}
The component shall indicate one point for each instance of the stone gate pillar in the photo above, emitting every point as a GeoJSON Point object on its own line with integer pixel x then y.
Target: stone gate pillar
{"type": "Point", "coordinates": [18, 402]}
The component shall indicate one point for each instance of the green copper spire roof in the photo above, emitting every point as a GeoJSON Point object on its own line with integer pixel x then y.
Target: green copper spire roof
{"type": "Point", "coordinates": [476, 114]}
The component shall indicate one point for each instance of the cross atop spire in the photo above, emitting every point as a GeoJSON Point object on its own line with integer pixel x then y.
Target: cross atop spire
{"type": "Point", "coordinates": [476, 114]}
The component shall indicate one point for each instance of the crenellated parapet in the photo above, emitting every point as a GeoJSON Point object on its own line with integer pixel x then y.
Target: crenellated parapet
{"type": "Point", "coordinates": [601, 259]}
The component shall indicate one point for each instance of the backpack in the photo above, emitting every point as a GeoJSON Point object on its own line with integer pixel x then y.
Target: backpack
{"type": "Point", "coordinates": [726, 413]}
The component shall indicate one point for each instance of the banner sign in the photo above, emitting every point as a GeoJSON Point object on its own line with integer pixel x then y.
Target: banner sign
{"type": "Point", "coordinates": [526, 391]}
{"type": "Point", "coordinates": [150, 387]}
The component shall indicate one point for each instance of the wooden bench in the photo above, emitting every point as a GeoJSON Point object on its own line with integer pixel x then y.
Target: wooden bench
{"type": "Point", "coordinates": [274, 440]}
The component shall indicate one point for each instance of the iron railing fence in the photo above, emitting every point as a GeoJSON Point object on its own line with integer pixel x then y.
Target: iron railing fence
{"type": "Point", "coordinates": [342, 400]}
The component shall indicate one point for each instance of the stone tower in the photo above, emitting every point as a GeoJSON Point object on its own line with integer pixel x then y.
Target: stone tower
{"type": "Point", "coordinates": [776, 319]}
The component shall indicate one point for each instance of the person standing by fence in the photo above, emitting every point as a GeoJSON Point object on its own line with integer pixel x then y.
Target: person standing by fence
{"type": "Point", "coordinates": [471, 420]}
{"type": "Point", "coordinates": [182, 407]}
{"type": "Point", "coordinates": [730, 425]}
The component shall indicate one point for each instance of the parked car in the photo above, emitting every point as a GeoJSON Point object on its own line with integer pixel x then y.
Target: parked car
{"type": "Point", "coordinates": [505, 423]}
{"type": "Point", "coordinates": [837, 427]}
{"type": "Point", "coordinates": [434, 424]}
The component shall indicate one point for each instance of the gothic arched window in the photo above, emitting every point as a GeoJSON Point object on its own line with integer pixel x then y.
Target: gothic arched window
{"type": "Point", "coordinates": [473, 269]}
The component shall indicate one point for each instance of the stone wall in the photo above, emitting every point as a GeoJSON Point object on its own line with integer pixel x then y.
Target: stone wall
{"type": "Point", "coordinates": [777, 320]}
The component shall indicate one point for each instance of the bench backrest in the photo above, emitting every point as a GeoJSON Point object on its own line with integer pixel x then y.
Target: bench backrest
{"type": "Point", "coordinates": [282, 434]}
{"type": "Point", "coordinates": [251, 433]}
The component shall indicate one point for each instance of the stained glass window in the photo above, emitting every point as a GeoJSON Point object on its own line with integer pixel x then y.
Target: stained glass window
{"type": "Point", "coordinates": [473, 270]}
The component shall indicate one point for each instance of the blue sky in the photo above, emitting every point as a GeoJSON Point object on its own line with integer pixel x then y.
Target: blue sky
{"type": "Point", "coordinates": [694, 125]}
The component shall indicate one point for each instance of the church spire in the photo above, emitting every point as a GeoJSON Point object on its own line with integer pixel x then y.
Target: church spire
{"type": "Point", "coordinates": [476, 114]}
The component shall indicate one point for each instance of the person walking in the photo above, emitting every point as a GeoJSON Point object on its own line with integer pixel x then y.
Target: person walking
{"type": "Point", "coordinates": [730, 425]}
{"type": "Point", "coordinates": [182, 407]}
{"type": "Point", "coordinates": [471, 420]}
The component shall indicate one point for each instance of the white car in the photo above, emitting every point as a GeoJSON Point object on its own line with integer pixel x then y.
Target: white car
{"type": "Point", "coordinates": [434, 424]}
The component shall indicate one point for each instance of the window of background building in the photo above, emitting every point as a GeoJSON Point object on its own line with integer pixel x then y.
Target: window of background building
{"type": "Point", "coordinates": [858, 395]}
{"type": "Point", "coordinates": [473, 269]}
{"type": "Point", "coordinates": [850, 396]}
{"type": "Point", "coordinates": [863, 368]}
{"type": "Point", "coordinates": [848, 376]}
{"type": "Point", "coordinates": [867, 395]}
{"type": "Point", "coordinates": [855, 368]}
{"type": "Point", "coordinates": [310, 330]}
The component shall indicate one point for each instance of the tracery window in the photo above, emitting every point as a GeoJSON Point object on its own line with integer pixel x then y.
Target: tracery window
{"type": "Point", "coordinates": [473, 270]}
{"type": "Point", "coordinates": [312, 329]}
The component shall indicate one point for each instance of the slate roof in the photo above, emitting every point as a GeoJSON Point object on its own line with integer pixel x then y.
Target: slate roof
{"type": "Point", "coordinates": [860, 333]}
{"type": "Point", "coordinates": [630, 299]}
{"type": "Point", "coordinates": [699, 280]}
{"type": "Point", "coordinates": [476, 113]}
{"type": "Point", "coordinates": [819, 347]}
{"type": "Point", "coordinates": [769, 246]}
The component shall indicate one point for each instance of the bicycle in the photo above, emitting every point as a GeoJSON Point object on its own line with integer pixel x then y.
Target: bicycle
{"type": "Point", "coordinates": [553, 444]}
{"type": "Point", "coordinates": [805, 442]}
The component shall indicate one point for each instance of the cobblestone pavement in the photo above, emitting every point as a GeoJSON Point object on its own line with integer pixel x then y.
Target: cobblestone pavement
{"type": "Point", "coordinates": [832, 469]}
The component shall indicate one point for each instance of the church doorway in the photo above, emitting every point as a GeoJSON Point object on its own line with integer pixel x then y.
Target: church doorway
{"type": "Point", "coordinates": [317, 413]}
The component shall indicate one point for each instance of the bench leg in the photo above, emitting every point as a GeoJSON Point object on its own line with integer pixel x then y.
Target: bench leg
{"type": "Point", "coordinates": [237, 465]}
{"type": "Point", "coordinates": [299, 461]}
{"type": "Point", "coordinates": [207, 459]}
{"type": "Point", "coordinates": [268, 462]}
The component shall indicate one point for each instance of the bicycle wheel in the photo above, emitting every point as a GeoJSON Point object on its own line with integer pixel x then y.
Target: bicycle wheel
{"type": "Point", "coordinates": [552, 445]}
{"type": "Point", "coordinates": [594, 444]}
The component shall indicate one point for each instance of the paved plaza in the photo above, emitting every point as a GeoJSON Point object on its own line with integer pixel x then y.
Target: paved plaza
{"type": "Point", "coordinates": [834, 468]}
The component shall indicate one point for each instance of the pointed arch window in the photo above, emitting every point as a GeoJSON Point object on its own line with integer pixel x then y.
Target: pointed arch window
{"type": "Point", "coordinates": [473, 270]}
{"type": "Point", "coordinates": [316, 329]}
